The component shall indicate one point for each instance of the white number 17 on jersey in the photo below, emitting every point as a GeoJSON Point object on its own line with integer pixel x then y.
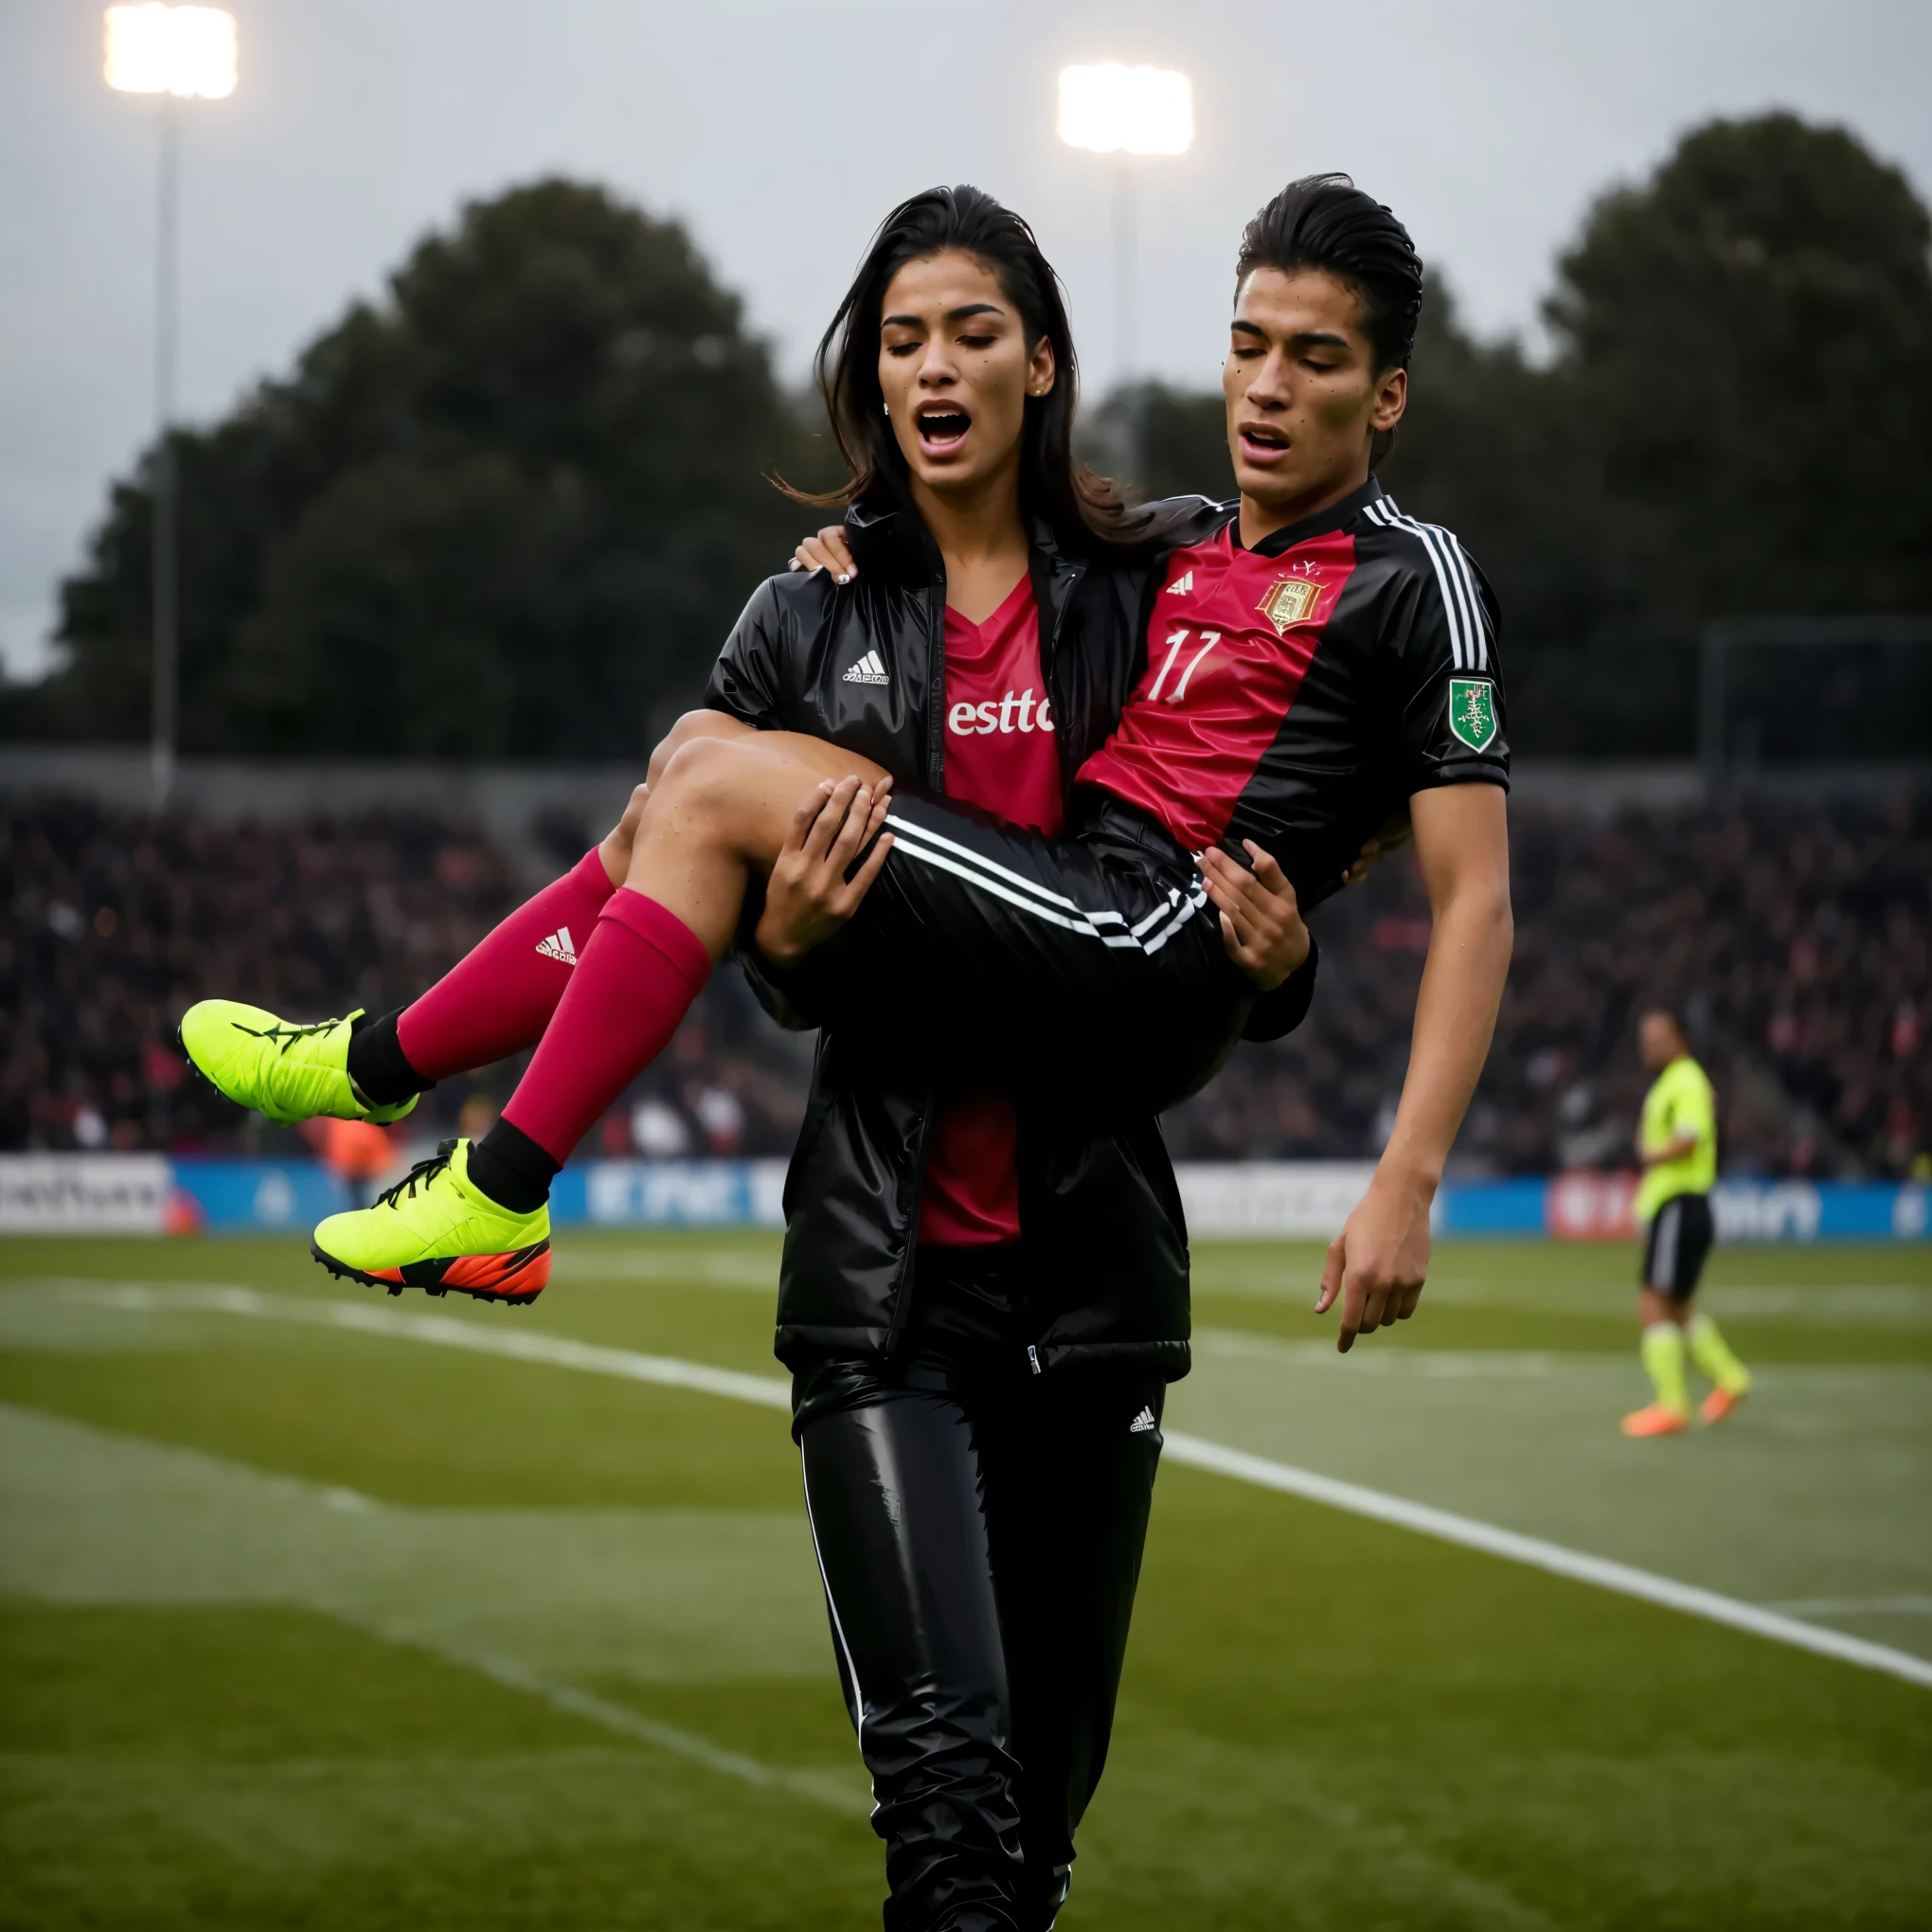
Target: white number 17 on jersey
{"type": "Point", "coordinates": [1176, 643]}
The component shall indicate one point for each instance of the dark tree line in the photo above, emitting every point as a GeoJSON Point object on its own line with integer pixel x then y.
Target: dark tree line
{"type": "Point", "coordinates": [512, 508]}
{"type": "Point", "coordinates": [509, 511]}
{"type": "Point", "coordinates": [1737, 421]}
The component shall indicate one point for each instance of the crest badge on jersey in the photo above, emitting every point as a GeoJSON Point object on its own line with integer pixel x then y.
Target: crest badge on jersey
{"type": "Point", "coordinates": [1472, 711]}
{"type": "Point", "coordinates": [1289, 601]}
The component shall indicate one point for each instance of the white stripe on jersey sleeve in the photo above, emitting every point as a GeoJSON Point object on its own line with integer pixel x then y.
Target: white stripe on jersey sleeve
{"type": "Point", "coordinates": [1443, 545]}
{"type": "Point", "coordinates": [1465, 641]}
{"type": "Point", "coordinates": [1451, 611]}
{"type": "Point", "coordinates": [1478, 617]}
{"type": "Point", "coordinates": [1468, 637]}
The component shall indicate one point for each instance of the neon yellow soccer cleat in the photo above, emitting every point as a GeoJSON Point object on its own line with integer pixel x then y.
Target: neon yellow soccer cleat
{"type": "Point", "coordinates": [288, 1073]}
{"type": "Point", "coordinates": [434, 1231]}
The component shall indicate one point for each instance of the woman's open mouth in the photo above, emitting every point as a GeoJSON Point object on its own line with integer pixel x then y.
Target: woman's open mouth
{"type": "Point", "coordinates": [942, 429]}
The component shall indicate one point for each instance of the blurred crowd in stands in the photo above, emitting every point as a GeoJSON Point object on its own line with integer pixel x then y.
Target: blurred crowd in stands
{"type": "Point", "coordinates": [1794, 939]}
{"type": "Point", "coordinates": [114, 922]}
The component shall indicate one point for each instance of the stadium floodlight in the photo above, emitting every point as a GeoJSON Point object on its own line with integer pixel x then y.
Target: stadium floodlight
{"type": "Point", "coordinates": [186, 51]}
{"type": "Point", "coordinates": [1117, 110]}
{"type": "Point", "coordinates": [1122, 111]}
{"type": "Point", "coordinates": [177, 53]}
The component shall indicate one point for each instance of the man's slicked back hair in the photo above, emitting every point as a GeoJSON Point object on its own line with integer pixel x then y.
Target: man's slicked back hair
{"type": "Point", "coordinates": [1325, 221]}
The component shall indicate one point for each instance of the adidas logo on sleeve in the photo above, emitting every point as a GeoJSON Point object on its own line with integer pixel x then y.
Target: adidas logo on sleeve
{"type": "Point", "coordinates": [559, 946]}
{"type": "Point", "coordinates": [1181, 585]}
{"type": "Point", "coordinates": [1143, 1424]}
{"type": "Point", "coordinates": [869, 670]}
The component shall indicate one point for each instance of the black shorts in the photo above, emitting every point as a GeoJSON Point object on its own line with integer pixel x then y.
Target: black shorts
{"type": "Point", "coordinates": [1095, 958]}
{"type": "Point", "coordinates": [1679, 1241]}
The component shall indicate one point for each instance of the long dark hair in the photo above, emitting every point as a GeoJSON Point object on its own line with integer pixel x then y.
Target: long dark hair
{"type": "Point", "coordinates": [1084, 512]}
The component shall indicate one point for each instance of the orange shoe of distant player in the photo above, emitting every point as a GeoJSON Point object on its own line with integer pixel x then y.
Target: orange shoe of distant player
{"type": "Point", "coordinates": [1721, 1403]}
{"type": "Point", "coordinates": [1655, 1421]}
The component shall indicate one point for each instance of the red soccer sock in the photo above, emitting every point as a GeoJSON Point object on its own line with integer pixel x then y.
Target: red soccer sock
{"type": "Point", "coordinates": [633, 983]}
{"type": "Point", "coordinates": [497, 999]}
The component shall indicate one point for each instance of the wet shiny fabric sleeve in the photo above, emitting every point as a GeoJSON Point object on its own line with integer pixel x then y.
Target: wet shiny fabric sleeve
{"type": "Point", "coordinates": [979, 1531]}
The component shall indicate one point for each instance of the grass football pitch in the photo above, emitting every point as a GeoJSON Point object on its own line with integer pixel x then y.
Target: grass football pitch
{"type": "Point", "coordinates": [321, 1610]}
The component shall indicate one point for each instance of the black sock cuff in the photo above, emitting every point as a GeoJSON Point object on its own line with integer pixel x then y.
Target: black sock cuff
{"type": "Point", "coordinates": [376, 1064]}
{"type": "Point", "coordinates": [511, 1169]}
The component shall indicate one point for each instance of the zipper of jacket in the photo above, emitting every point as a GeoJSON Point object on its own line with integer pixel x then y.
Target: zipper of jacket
{"type": "Point", "coordinates": [936, 687]}
{"type": "Point", "coordinates": [1049, 658]}
{"type": "Point", "coordinates": [936, 778]}
{"type": "Point", "coordinates": [901, 1299]}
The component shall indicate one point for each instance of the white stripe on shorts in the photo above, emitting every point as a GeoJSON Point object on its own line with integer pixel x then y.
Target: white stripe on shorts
{"type": "Point", "coordinates": [1013, 889]}
{"type": "Point", "coordinates": [1664, 1255]}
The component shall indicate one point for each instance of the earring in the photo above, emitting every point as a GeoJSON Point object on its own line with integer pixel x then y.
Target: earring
{"type": "Point", "coordinates": [884, 409]}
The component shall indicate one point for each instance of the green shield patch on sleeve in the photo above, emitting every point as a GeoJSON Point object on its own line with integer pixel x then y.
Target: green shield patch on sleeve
{"type": "Point", "coordinates": [1472, 711]}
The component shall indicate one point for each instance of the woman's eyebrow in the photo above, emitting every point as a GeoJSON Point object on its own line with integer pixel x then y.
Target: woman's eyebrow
{"type": "Point", "coordinates": [957, 314]}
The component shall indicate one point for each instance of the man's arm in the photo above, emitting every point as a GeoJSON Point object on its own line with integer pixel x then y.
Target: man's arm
{"type": "Point", "coordinates": [1674, 1148]}
{"type": "Point", "coordinates": [1380, 1259]}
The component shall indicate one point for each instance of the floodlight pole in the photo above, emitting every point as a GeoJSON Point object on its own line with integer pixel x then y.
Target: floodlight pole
{"type": "Point", "coordinates": [166, 590]}
{"type": "Point", "coordinates": [1119, 111]}
{"type": "Point", "coordinates": [179, 53]}
{"type": "Point", "coordinates": [1124, 345]}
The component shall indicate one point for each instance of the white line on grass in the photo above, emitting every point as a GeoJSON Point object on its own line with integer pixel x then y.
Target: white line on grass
{"type": "Point", "coordinates": [1195, 1451]}
{"type": "Point", "coordinates": [447, 1331]}
{"type": "Point", "coordinates": [1625, 1579]}
{"type": "Point", "coordinates": [1458, 1364]}
{"type": "Point", "coordinates": [819, 1789]}
{"type": "Point", "coordinates": [1857, 1606]}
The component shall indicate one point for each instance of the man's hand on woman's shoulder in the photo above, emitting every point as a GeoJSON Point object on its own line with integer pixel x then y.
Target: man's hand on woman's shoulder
{"type": "Point", "coordinates": [828, 550]}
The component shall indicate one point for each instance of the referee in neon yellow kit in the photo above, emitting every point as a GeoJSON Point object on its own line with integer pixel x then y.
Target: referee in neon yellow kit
{"type": "Point", "coordinates": [1677, 1145]}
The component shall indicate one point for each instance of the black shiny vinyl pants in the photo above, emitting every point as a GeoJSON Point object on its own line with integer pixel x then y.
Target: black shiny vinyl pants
{"type": "Point", "coordinates": [980, 1528]}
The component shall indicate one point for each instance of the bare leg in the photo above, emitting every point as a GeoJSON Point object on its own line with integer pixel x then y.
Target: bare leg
{"type": "Point", "coordinates": [1654, 1305]}
{"type": "Point", "coordinates": [499, 998]}
{"type": "Point", "coordinates": [615, 850]}
{"type": "Point", "coordinates": [720, 812]}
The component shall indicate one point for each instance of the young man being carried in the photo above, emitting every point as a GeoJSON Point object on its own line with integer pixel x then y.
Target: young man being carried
{"type": "Point", "coordinates": [1313, 660]}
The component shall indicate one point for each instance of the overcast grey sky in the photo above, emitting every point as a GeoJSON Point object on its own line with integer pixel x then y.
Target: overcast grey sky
{"type": "Point", "coordinates": [781, 133]}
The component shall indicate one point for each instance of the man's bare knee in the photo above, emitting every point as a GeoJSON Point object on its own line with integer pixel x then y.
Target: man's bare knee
{"type": "Point", "coordinates": [689, 729]}
{"type": "Point", "coordinates": [697, 777]}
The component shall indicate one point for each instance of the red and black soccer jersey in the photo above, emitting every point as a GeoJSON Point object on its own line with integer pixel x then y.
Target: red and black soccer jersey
{"type": "Point", "coordinates": [1297, 692]}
